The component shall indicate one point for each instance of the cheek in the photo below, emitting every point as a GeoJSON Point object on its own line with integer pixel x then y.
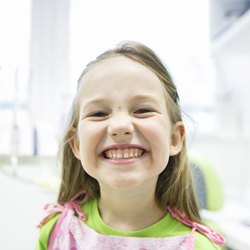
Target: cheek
{"type": "Point", "coordinates": [157, 134]}
{"type": "Point", "coordinates": [89, 138]}
{"type": "Point", "coordinates": [156, 131]}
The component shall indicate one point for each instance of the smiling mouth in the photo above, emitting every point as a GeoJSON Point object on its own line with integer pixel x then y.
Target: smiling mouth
{"type": "Point", "coordinates": [127, 153]}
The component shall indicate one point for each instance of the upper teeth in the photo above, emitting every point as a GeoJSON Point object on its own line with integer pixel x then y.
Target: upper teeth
{"type": "Point", "coordinates": [123, 153]}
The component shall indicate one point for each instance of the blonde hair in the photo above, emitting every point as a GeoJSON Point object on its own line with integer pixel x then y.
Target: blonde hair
{"type": "Point", "coordinates": [175, 186]}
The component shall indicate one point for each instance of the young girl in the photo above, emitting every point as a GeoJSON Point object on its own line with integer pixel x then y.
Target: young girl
{"type": "Point", "coordinates": [126, 183]}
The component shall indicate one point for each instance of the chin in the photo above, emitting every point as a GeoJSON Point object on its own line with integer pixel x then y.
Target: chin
{"type": "Point", "coordinates": [125, 183]}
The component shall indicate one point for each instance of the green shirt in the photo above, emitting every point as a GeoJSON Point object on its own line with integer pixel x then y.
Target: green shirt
{"type": "Point", "coordinates": [166, 227]}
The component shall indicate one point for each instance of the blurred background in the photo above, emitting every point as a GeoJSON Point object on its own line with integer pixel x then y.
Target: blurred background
{"type": "Point", "coordinates": [44, 46]}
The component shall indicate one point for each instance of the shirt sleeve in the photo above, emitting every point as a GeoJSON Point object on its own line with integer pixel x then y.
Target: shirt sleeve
{"type": "Point", "coordinates": [202, 242]}
{"type": "Point", "coordinates": [45, 232]}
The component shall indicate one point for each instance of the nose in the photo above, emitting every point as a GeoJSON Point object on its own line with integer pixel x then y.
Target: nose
{"type": "Point", "coordinates": [120, 126]}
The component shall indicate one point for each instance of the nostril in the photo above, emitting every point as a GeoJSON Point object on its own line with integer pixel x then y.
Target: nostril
{"type": "Point", "coordinates": [115, 130]}
{"type": "Point", "coordinates": [121, 133]}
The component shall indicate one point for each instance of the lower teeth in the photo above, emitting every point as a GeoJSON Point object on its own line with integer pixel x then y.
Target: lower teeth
{"type": "Point", "coordinates": [122, 158]}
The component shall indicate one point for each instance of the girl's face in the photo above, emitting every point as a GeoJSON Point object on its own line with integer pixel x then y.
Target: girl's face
{"type": "Point", "coordinates": [124, 137]}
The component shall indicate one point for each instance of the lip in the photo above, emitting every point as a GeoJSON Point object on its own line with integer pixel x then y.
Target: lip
{"type": "Point", "coordinates": [123, 161]}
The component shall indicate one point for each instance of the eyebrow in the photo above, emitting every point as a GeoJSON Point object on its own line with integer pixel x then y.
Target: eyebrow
{"type": "Point", "coordinates": [145, 97]}
{"type": "Point", "coordinates": [99, 100]}
{"type": "Point", "coordinates": [94, 101]}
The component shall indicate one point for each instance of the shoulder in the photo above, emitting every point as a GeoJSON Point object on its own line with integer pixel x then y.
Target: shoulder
{"type": "Point", "coordinates": [47, 228]}
{"type": "Point", "coordinates": [45, 232]}
{"type": "Point", "coordinates": [202, 242]}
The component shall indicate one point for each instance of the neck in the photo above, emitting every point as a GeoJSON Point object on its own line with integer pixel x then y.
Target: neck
{"type": "Point", "coordinates": [129, 210]}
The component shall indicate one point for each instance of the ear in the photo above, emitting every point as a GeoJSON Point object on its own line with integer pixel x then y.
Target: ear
{"type": "Point", "coordinates": [74, 142]}
{"type": "Point", "coordinates": [177, 138]}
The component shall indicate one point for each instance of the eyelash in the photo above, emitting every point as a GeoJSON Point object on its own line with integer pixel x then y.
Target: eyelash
{"type": "Point", "coordinates": [98, 114]}
{"type": "Point", "coordinates": [143, 111]}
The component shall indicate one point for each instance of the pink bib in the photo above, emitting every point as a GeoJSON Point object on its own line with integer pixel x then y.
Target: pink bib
{"type": "Point", "coordinates": [74, 234]}
{"type": "Point", "coordinates": [71, 233]}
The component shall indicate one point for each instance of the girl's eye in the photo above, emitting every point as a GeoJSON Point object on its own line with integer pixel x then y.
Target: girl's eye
{"type": "Point", "coordinates": [99, 114]}
{"type": "Point", "coordinates": [143, 111]}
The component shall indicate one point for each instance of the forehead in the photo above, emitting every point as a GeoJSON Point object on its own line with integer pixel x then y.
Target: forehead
{"type": "Point", "coordinates": [120, 75]}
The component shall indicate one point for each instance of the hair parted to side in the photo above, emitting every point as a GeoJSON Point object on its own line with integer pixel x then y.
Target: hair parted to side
{"type": "Point", "coordinates": [175, 184]}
